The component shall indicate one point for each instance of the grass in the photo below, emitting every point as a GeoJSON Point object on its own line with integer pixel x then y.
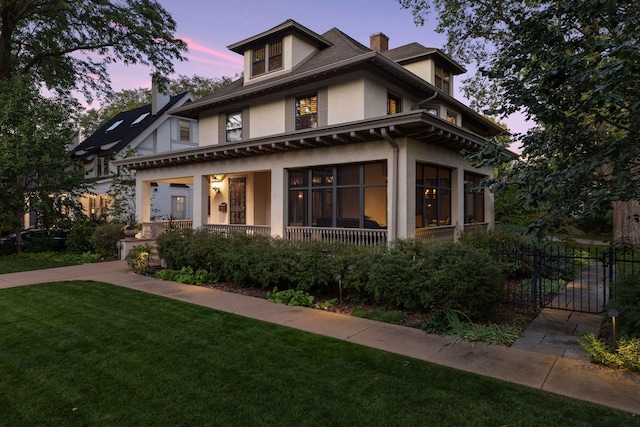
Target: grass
{"type": "Point", "coordinates": [88, 353]}
{"type": "Point", "coordinates": [9, 265]}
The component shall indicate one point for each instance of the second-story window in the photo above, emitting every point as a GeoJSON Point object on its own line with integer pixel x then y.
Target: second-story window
{"type": "Point", "coordinates": [307, 112]}
{"type": "Point", "coordinates": [394, 105]}
{"type": "Point", "coordinates": [234, 126]}
{"type": "Point", "coordinates": [266, 58]}
{"type": "Point", "coordinates": [185, 130]}
{"type": "Point", "coordinates": [443, 79]}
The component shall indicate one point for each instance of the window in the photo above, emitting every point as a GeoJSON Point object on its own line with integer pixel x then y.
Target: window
{"type": "Point", "coordinates": [259, 62]}
{"type": "Point", "coordinates": [452, 117]}
{"type": "Point", "coordinates": [394, 105]}
{"type": "Point", "coordinates": [473, 200]}
{"type": "Point", "coordinates": [344, 196]}
{"type": "Point", "coordinates": [140, 118]}
{"type": "Point", "coordinates": [178, 210]}
{"type": "Point", "coordinates": [113, 126]}
{"type": "Point", "coordinates": [433, 111]}
{"type": "Point", "coordinates": [443, 79]}
{"type": "Point", "coordinates": [234, 126]}
{"type": "Point", "coordinates": [185, 130]}
{"type": "Point", "coordinates": [433, 196]}
{"type": "Point", "coordinates": [103, 165]}
{"type": "Point", "coordinates": [307, 112]}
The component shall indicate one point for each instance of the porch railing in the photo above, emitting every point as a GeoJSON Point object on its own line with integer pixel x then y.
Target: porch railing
{"type": "Point", "coordinates": [151, 230]}
{"type": "Point", "coordinates": [442, 233]}
{"type": "Point", "coordinates": [476, 228]}
{"type": "Point", "coordinates": [226, 229]}
{"type": "Point", "coordinates": [361, 237]}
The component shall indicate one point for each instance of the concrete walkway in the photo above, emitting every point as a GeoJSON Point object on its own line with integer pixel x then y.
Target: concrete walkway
{"type": "Point", "coordinates": [547, 372]}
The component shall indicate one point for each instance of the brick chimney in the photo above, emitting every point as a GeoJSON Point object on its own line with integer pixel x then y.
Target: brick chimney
{"type": "Point", "coordinates": [379, 42]}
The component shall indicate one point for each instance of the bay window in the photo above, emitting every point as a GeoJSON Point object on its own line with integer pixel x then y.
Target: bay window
{"type": "Point", "coordinates": [433, 195]}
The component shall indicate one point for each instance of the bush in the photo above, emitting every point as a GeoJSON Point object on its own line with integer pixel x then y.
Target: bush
{"type": "Point", "coordinates": [290, 297]}
{"type": "Point", "coordinates": [626, 299]}
{"type": "Point", "coordinates": [626, 354]}
{"type": "Point", "coordinates": [105, 238]}
{"type": "Point", "coordinates": [138, 257]}
{"type": "Point", "coordinates": [79, 240]}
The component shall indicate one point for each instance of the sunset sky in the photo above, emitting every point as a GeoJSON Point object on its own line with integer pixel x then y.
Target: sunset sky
{"type": "Point", "coordinates": [208, 27]}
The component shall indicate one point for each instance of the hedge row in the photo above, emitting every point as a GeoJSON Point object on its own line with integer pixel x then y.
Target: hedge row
{"type": "Point", "coordinates": [409, 274]}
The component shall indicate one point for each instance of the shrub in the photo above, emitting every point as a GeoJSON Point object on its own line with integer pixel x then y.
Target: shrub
{"type": "Point", "coordinates": [79, 240]}
{"type": "Point", "coordinates": [105, 238]}
{"type": "Point", "coordinates": [626, 299]}
{"type": "Point", "coordinates": [290, 297]}
{"type": "Point", "coordinates": [138, 257]}
{"type": "Point", "coordinates": [626, 355]}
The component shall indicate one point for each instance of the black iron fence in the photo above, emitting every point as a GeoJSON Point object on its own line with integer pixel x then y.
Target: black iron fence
{"type": "Point", "coordinates": [563, 277]}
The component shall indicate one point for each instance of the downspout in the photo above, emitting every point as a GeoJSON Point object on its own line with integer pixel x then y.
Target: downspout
{"type": "Point", "coordinates": [393, 232]}
{"type": "Point", "coordinates": [431, 98]}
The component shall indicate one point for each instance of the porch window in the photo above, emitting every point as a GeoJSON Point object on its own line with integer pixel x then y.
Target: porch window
{"type": "Point", "coordinates": [234, 126]}
{"type": "Point", "coordinates": [343, 196]}
{"type": "Point", "coordinates": [433, 196]}
{"type": "Point", "coordinates": [473, 199]}
{"type": "Point", "coordinates": [307, 112]}
{"type": "Point", "coordinates": [394, 105]}
{"type": "Point", "coordinates": [178, 206]}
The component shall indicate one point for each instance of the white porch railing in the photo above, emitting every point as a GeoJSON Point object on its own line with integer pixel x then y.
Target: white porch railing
{"type": "Point", "coordinates": [359, 236]}
{"type": "Point", "coordinates": [151, 230]}
{"type": "Point", "coordinates": [476, 228]}
{"type": "Point", "coordinates": [443, 233]}
{"type": "Point", "coordinates": [226, 229]}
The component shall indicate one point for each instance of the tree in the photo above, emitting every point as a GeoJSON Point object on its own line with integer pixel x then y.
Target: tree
{"type": "Point", "coordinates": [66, 45]}
{"type": "Point", "coordinates": [37, 169]}
{"type": "Point", "coordinates": [573, 67]}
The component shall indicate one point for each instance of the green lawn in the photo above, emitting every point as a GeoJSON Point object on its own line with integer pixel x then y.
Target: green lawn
{"type": "Point", "coordinates": [88, 353]}
{"type": "Point", "coordinates": [8, 265]}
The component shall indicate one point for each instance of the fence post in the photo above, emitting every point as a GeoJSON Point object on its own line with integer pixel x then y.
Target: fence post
{"type": "Point", "coordinates": [534, 279]}
{"type": "Point", "coordinates": [612, 262]}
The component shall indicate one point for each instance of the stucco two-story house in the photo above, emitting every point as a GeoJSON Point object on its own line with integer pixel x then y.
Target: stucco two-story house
{"type": "Point", "coordinates": [144, 130]}
{"type": "Point", "coordinates": [325, 138]}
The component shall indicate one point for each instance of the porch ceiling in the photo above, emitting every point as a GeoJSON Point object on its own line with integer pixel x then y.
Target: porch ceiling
{"type": "Point", "coordinates": [417, 125]}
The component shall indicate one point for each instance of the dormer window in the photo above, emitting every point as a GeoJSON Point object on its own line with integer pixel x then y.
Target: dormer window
{"type": "Point", "coordinates": [113, 126]}
{"type": "Point", "coordinates": [185, 130]}
{"type": "Point", "coordinates": [262, 64]}
{"type": "Point", "coordinates": [443, 79]}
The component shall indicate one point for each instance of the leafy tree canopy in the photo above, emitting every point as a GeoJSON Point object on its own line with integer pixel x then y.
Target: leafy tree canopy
{"type": "Point", "coordinates": [573, 67]}
{"type": "Point", "coordinates": [67, 44]}
{"type": "Point", "coordinates": [37, 170]}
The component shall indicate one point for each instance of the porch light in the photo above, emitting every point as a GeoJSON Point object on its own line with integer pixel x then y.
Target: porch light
{"type": "Point", "coordinates": [215, 187]}
{"type": "Point", "coordinates": [217, 178]}
{"type": "Point", "coordinates": [613, 313]}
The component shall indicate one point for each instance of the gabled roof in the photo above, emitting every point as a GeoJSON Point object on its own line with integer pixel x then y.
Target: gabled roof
{"type": "Point", "coordinates": [287, 27]}
{"type": "Point", "coordinates": [342, 55]}
{"type": "Point", "coordinates": [125, 127]}
{"type": "Point", "coordinates": [413, 52]}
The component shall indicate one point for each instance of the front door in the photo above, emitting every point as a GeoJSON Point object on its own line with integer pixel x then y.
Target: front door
{"type": "Point", "coordinates": [237, 200]}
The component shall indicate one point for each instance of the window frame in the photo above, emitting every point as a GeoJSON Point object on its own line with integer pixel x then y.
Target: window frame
{"type": "Point", "coordinates": [317, 196]}
{"type": "Point", "coordinates": [394, 99]}
{"type": "Point", "coordinates": [435, 193]}
{"type": "Point", "coordinates": [264, 59]}
{"type": "Point", "coordinates": [442, 78]}
{"type": "Point", "coordinates": [182, 129]}
{"type": "Point", "coordinates": [240, 127]}
{"type": "Point", "coordinates": [300, 120]}
{"type": "Point", "coordinates": [474, 208]}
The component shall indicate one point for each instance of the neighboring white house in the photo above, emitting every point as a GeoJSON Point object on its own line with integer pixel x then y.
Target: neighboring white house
{"type": "Point", "coordinates": [325, 138]}
{"type": "Point", "coordinates": [147, 130]}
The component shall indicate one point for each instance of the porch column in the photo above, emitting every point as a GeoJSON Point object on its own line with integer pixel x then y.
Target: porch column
{"type": "Point", "coordinates": [457, 200]}
{"type": "Point", "coordinates": [143, 200]}
{"type": "Point", "coordinates": [278, 205]}
{"type": "Point", "coordinates": [200, 200]}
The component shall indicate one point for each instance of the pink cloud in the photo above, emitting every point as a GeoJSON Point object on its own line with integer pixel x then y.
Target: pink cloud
{"type": "Point", "coordinates": [196, 47]}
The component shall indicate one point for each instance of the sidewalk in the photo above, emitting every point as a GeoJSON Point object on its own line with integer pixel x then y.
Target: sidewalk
{"type": "Point", "coordinates": [547, 372]}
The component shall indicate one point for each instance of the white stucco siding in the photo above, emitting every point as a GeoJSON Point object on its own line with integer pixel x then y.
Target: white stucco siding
{"type": "Point", "coordinates": [423, 69]}
{"type": "Point", "coordinates": [346, 101]}
{"type": "Point", "coordinates": [208, 128]}
{"type": "Point", "coordinates": [267, 118]}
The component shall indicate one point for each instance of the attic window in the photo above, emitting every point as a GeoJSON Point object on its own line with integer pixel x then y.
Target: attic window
{"type": "Point", "coordinates": [261, 64]}
{"type": "Point", "coordinates": [394, 105]}
{"type": "Point", "coordinates": [113, 126]}
{"type": "Point", "coordinates": [443, 79]}
{"type": "Point", "coordinates": [140, 118]}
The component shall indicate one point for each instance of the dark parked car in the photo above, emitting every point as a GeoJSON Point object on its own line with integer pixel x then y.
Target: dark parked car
{"type": "Point", "coordinates": [36, 240]}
